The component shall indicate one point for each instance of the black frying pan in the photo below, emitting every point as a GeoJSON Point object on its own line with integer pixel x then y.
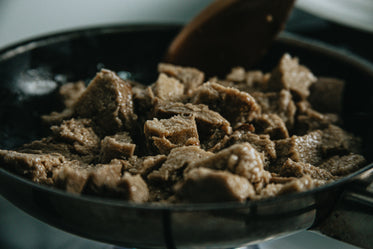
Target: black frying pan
{"type": "Point", "coordinates": [29, 75]}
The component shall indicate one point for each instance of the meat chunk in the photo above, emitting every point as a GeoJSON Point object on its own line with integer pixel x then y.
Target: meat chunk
{"type": "Point", "coordinates": [327, 95]}
{"type": "Point", "coordinates": [262, 143]}
{"type": "Point", "coordinates": [343, 165]}
{"type": "Point", "coordinates": [106, 180]}
{"type": "Point", "coordinates": [296, 185]}
{"type": "Point", "coordinates": [279, 103]}
{"type": "Point", "coordinates": [242, 106]}
{"type": "Point", "coordinates": [108, 100]}
{"type": "Point", "coordinates": [117, 146]}
{"type": "Point", "coordinates": [241, 159]}
{"type": "Point", "coordinates": [37, 167]}
{"type": "Point", "coordinates": [336, 141]}
{"type": "Point", "coordinates": [166, 134]}
{"type": "Point", "coordinates": [168, 88]}
{"type": "Point", "coordinates": [272, 125]}
{"type": "Point", "coordinates": [70, 92]}
{"type": "Point", "coordinates": [299, 169]}
{"type": "Point", "coordinates": [176, 162]}
{"type": "Point", "coordinates": [249, 82]}
{"type": "Point", "coordinates": [305, 149]}
{"type": "Point", "coordinates": [79, 133]}
{"type": "Point", "coordinates": [71, 176]}
{"type": "Point", "coordinates": [208, 185]}
{"type": "Point", "coordinates": [309, 119]}
{"type": "Point", "coordinates": [291, 76]}
{"type": "Point", "coordinates": [206, 119]}
{"type": "Point", "coordinates": [237, 74]}
{"type": "Point", "coordinates": [190, 77]}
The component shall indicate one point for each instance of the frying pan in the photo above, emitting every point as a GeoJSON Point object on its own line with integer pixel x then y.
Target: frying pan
{"type": "Point", "coordinates": [30, 73]}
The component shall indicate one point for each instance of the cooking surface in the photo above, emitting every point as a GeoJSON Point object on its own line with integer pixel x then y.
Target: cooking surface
{"type": "Point", "coordinates": [19, 230]}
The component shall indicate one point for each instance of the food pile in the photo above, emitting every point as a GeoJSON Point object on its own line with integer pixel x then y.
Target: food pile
{"type": "Point", "coordinates": [251, 135]}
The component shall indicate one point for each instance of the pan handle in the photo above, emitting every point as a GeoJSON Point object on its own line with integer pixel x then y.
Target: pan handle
{"type": "Point", "coordinates": [352, 219]}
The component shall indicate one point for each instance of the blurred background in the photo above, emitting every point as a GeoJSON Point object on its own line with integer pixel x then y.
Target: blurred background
{"type": "Point", "coordinates": [344, 24]}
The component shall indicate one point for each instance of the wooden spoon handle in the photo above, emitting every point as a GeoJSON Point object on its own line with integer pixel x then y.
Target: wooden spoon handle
{"type": "Point", "coordinates": [229, 33]}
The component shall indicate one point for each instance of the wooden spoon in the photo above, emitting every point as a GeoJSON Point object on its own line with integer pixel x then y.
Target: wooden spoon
{"type": "Point", "coordinates": [229, 33]}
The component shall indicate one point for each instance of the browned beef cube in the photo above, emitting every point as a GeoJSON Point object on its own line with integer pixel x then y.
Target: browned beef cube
{"type": "Point", "coordinates": [314, 120]}
{"type": "Point", "coordinates": [301, 184]}
{"type": "Point", "coordinates": [257, 79]}
{"type": "Point", "coordinates": [71, 176]}
{"type": "Point", "coordinates": [279, 103]}
{"type": "Point", "coordinates": [166, 134]}
{"type": "Point", "coordinates": [118, 146]}
{"type": "Point", "coordinates": [206, 119]}
{"type": "Point", "coordinates": [57, 117]}
{"type": "Point", "coordinates": [305, 149]}
{"type": "Point", "coordinates": [78, 132]}
{"type": "Point", "coordinates": [326, 95]}
{"type": "Point", "coordinates": [37, 167]}
{"type": "Point", "coordinates": [208, 185]}
{"type": "Point", "coordinates": [190, 77]}
{"type": "Point", "coordinates": [106, 180]}
{"type": "Point", "coordinates": [151, 163]}
{"type": "Point", "coordinates": [272, 125]}
{"type": "Point", "coordinates": [295, 185]}
{"type": "Point", "coordinates": [237, 74]}
{"type": "Point", "coordinates": [179, 158]}
{"type": "Point", "coordinates": [343, 165]}
{"type": "Point", "coordinates": [108, 100]}
{"type": "Point", "coordinates": [168, 88]}
{"type": "Point", "coordinates": [291, 76]}
{"type": "Point", "coordinates": [262, 143]}
{"type": "Point", "coordinates": [241, 159]}
{"type": "Point", "coordinates": [70, 92]}
{"type": "Point", "coordinates": [336, 141]}
{"type": "Point", "coordinates": [309, 119]}
{"type": "Point", "coordinates": [299, 169]}
{"type": "Point", "coordinates": [236, 106]}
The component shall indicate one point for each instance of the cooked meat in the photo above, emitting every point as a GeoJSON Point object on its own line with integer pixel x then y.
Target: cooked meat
{"type": "Point", "coordinates": [241, 159]}
{"type": "Point", "coordinates": [291, 76]}
{"type": "Point", "coordinates": [177, 161]}
{"type": "Point", "coordinates": [326, 95]}
{"type": "Point", "coordinates": [166, 134]}
{"type": "Point", "coordinates": [70, 92]}
{"type": "Point", "coordinates": [208, 185]}
{"type": "Point", "coordinates": [237, 74]}
{"type": "Point", "coordinates": [336, 141]}
{"type": "Point", "coordinates": [71, 176]}
{"type": "Point", "coordinates": [250, 135]}
{"type": "Point", "coordinates": [261, 143]}
{"type": "Point", "coordinates": [206, 119]}
{"type": "Point", "coordinates": [108, 101]}
{"type": "Point", "coordinates": [37, 167]}
{"type": "Point", "coordinates": [272, 125]}
{"type": "Point", "coordinates": [79, 133]}
{"type": "Point", "coordinates": [279, 103]}
{"type": "Point", "coordinates": [299, 169]}
{"type": "Point", "coordinates": [305, 149]}
{"type": "Point", "coordinates": [190, 77]}
{"type": "Point", "coordinates": [242, 106]}
{"type": "Point", "coordinates": [168, 88]}
{"type": "Point", "coordinates": [343, 165]}
{"type": "Point", "coordinates": [118, 146]}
